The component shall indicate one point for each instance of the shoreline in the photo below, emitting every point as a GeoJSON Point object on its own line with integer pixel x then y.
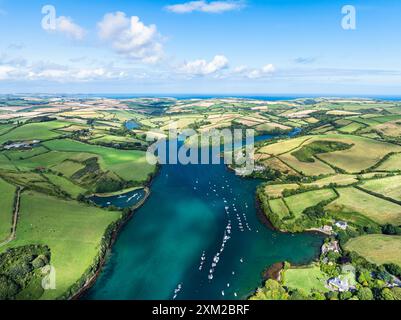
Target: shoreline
{"type": "Point", "coordinates": [117, 193]}
{"type": "Point", "coordinates": [120, 224]}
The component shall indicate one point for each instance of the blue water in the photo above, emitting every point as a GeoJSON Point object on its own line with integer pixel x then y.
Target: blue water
{"type": "Point", "coordinates": [189, 215]}
{"type": "Point", "coordinates": [131, 125]}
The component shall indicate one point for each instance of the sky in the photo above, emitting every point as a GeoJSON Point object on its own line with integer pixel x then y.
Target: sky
{"type": "Point", "coordinates": [201, 47]}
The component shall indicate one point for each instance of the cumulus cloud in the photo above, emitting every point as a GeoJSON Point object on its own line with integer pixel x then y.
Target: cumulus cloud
{"type": "Point", "coordinates": [250, 73]}
{"type": "Point", "coordinates": [21, 71]}
{"type": "Point", "coordinates": [67, 27]}
{"type": "Point", "coordinates": [130, 37]}
{"type": "Point", "coordinates": [202, 67]}
{"type": "Point", "coordinates": [205, 6]}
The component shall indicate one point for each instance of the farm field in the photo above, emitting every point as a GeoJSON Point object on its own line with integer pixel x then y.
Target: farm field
{"type": "Point", "coordinates": [389, 187]}
{"type": "Point", "coordinates": [129, 165]}
{"type": "Point", "coordinates": [72, 231]}
{"type": "Point", "coordinates": [32, 131]}
{"type": "Point", "coordinates": [315, 168]}
{"type": "Point", "coordinates": [393, 163]}
{"type": "Point", "coordinates": [338, 179]}
{"type": "Point", "coordinates": [306, 279]}
{"type": "Point", "coordinates": [351, 128]}
{"type": "Point", "coordinates": [279, 207]}
{"type": "Point", "coordinates": [352, 201]}
{"type": "Point", "coordinates": [377, 248]}
{"type": "Point", "coordinates": [7, 192]}
{"type": "Point", "coordinates": [298, 203]}
{"type": "Point", "coordinates": [276, 190]}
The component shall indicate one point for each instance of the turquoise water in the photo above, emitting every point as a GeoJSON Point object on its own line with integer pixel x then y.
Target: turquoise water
{"type": "Point", "coordinates": [130, 125]}
{"type": "Point", "coordinates": [197, 237]}
{"type": "Point", "coordinates": [124, 200]}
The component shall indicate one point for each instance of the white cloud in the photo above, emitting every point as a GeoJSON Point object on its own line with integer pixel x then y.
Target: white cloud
{"type": "Point", "coordinates": [130, 37]}
{"type": "Point", "coordinates": [67, 27]}
{"type": "Point", "coordinates": [13, 70]}
{"type": "Point", "coordinates": [202, 67]}
{"type": "Point", "coordinates": [6, 72]}
{"type": "Point", "coordinates": [205, 6]}
{"type": "Point", "coordinates": [244, 71]}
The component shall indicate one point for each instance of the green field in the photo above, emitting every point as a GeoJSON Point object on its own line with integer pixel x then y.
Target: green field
{"type": "Point", "coordinates": [306, 279]}
{"type": "Point", "coordinates": [275, 190]}
{"type": "Point", "coordinates": [66, 185]}
{"type": "Point", "coordinates": [338, 179]}
{"type": "Point", "coordinates": [72, 231]}
{"type": "Point", "coordinates": [279, 207]}
{"type": "Point", "coordinates": [7, 192]}
{"type": "Point", "coordinates": [356, 159]}
{"type": "Point", "coordinates": [307, 168]}
{"type": "Point", "coordinates": [389, 187]}
{"type": "Point", "coordinates": [391, 164]}
{"type": "Point", "coordinates": [298, 203]}
{"type": "Point", "coordinates": [377, 248]}
{"type": "Point", "coordinates": [33, 131]}
{"type": "Point", "coordinates": [353, 201]}
{"type": "Point", "coordinates": [351, 128]}
{"type": "Point", "coordinates": [25, 154]}
{"type": "Point", "coordinates": [129, 165]}
{"type": "Point", "coordinates": [5, 127]}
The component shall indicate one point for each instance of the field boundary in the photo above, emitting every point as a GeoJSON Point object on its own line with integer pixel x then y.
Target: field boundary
{"type": "Point", "coordinates": [15, 217]}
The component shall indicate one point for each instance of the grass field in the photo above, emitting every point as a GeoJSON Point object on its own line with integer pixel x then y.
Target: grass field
{"type": "Point", "coordinates": [338, 179]}
{"type": "Point", "coordinates": [33, 131]}
{"type": "Point", "coordinates": [284, 146]}
{"type": "Point", "coordinates": [355, 201]}
{"type": "Point", "coordinates": [5, 127]}
{"type": "Point", "coordinates": [279, 207]}
{"type": "Point", "coordinates": [50, 159]}
{"type": "Point", "coordinates": [7, 192]}
{"type": "Point", "coordinates": [275, 190]}
{"type": "Point", "coordinates": [298, 203]}
{"type": "Point", "coordinates": [377, 248]}
{"type": "Point", "coordinates": [129, 165]}
{"type": "Point", "coordinates": [306, 279]}
{"type": "Point", "coordinates": [307, 168]}
{"type": "Point", "coordinates": [389, 187]}
{"type": "Point", "coordinates": [66, 185]}
{"type": "Point", "coordinates": [391, 164]}
{"type": "Point", "coordinates": [364, 154]}
{"type": "Point", "coordinates": [351, 128]}
{"type": "Point", "coordinates": [71, 230]}
{"type": "Point", "coordinates": [25, 154]}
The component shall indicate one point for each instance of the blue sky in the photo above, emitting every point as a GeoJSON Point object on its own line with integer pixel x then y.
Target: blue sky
{"type": "Point", "coordinates": [226, 47]}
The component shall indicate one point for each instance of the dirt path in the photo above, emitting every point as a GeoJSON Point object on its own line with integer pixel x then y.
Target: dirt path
{"type": "Point", "coordinates": [15, 219]}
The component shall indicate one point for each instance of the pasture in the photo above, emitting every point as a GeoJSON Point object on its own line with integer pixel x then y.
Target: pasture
{"type": "Point", "coordinates": [299, 202]}
{"type": "Point", "coordinates": [128, 165]}
{"type": "Point", "coordinates": [389, 187]}
{"type": "Point", "coordinates": [377, 248]}
{"type": "Point", "coordinates": [7, 192]}
{"type": "Point", "coordinates": [353, 201]}
{"type": "Point", "coordinates": [33, 131]}
{"type": "Point", "coordinates": [72, 231]}
{"type": "Point", "coordinates": [306, 279]}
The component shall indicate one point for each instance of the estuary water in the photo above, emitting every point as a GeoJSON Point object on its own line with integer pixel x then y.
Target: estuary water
{"type": "Point", "coordinates": [197, 237]}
